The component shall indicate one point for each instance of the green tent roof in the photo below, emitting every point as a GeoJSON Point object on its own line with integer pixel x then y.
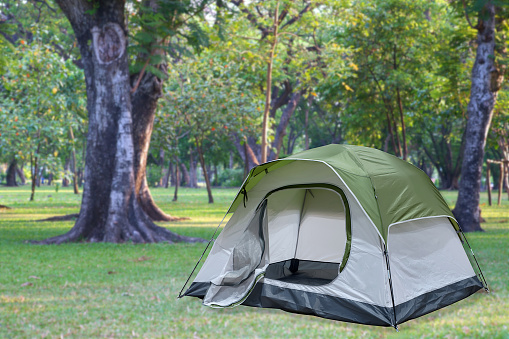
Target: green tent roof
{"type": "Point", "coordinates": [389, 189]}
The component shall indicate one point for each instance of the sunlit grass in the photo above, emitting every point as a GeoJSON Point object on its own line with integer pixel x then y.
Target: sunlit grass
{"type": "Point", "coordinates": [109, 290]}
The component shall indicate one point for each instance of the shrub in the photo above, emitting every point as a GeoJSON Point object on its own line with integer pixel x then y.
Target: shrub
{"type": "Point", "coordinates": [231, 177]}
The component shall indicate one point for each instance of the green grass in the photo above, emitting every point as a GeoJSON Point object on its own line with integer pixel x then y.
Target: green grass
{"type": "Point", "coordinates": [107, 290]}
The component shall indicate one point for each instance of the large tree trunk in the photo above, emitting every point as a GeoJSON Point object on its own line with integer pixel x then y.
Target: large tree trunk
{"type": "Point", "coordinates": [110, 208]}
{"type": "Point", "coordinates": [486, 82]}
{"type": "Point", "coordinates": [11, 174]}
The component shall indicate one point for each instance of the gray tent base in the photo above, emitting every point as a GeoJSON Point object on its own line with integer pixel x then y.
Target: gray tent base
{"type": "Point", "coordinates": [308, 303]}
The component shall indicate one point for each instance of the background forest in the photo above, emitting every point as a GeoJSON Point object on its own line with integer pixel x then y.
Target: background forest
{"type": "Point", "coordinates": [394, 75]}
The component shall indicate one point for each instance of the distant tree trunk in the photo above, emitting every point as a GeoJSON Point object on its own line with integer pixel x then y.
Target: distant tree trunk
{"type": "Point", "coordinates": [39, 178]}
{"type": "Point", "coordinates": [265, 123]}
{"type": "Point", "coordinates": [193, 176]}
{"type": "Point", "coordinates": [186, 178]}
{"type": "Point", "coordinates": [486, 82]}
{"type": "Point", "coordinates": [292, 138]}
{"type": "Point", "coordinates": [283, 123]}
{"type": "Point", "coordinates": [21, 175]}
{"type": "Point", "coordinates": [168, 177]}
{"type": "Point", "coordinates": [177, 180]}
{"type": "Point", "coordinates": [112, 208]}
{"type": "Point", "coordinates": [403, 128]}
{"type": "Point", "coordinates": [426, 167]}
{"type": "Point", "coordinates": [204, 169]}
{"type": "Point", "coordinates": [50, 179]}
{"type": "Point", "coordinates": [246, 152]}
{"type": "Point", "coordinates": [11, 174]}
{"type": "Point", "coordinates": [34, 169]}
{"type": "Point", "coordinates": [73, 170]}
{"type": "Point", "coordinates": [80, 177]}
{"type": "Point", "coordinates": [215, 182]}
{"type": "Point", "coordinates": [306, 124]}
{"type": "Point", "coordinates": [65, 181]}
{"type": "Point", "coordinates": [161, 163]}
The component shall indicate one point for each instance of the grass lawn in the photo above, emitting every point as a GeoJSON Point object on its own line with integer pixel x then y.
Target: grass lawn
{"type": "Point", "coordinates": [107, 290]}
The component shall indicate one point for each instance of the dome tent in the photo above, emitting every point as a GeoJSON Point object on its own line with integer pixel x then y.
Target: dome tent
{"type": "Point", "coordinates": [342, 232]}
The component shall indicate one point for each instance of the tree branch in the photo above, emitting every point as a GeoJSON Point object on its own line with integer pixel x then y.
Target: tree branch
{"type": "Point", "coordinates": [298, 16]}
{"type": "Point", "coordinates": [467, 17]}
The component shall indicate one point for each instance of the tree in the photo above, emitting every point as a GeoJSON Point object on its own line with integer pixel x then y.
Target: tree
{"type": "Point", "coordinates": [487, 77]}
{"type": "Point", "coordinates": [280, 37]}
{"type": "Point", "coordinates": [121, 108]}
{"type": "Point", "coordinates": [36, 112]}
{"type": "Point", "coordinates": [207, 97]}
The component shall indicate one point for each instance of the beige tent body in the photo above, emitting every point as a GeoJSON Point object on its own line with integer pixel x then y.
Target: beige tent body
{"type": "Point", "coordinates": [341, 232]}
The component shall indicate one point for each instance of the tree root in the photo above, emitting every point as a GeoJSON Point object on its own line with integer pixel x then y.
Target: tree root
{"type": "Point", "coordinates": [122, 224]}
{"type": "Point", "coordinates": [67, 217]}
{"type": "Point", "coordinates": [3, 207]}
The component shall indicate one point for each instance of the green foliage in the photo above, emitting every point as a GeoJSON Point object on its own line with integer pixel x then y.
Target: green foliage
{"type": "Point", "coordinates": [43, 97]}
{"type": "Point", "coordinates": [155, 26]}
{"type": "Point", "coordinates": [153, 175]}
{"type": "Point", "coordinates": [230, 178]}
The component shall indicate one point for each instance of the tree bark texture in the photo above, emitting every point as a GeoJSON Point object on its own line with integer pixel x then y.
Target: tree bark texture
{"type": "Point", "coordinates": [486, 82]}
{"type": "Point", "coordinates": [11, 174]}
{"type": "Point", "coordinates": [110, 208]}
{"type": "Point", "coordinates": [144, 102]}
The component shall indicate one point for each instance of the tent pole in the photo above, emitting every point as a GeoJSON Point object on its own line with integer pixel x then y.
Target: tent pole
{"type": "Point", "coordinates": [484, 282]}
{"type": "Point", "coordinates": [386, 254]}
{"type": "Point", "coordinates": [205, 250]}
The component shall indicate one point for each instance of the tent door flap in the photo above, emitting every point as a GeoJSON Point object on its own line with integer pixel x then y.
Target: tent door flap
{"type": "Point", "coordinates": [246, 266]}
